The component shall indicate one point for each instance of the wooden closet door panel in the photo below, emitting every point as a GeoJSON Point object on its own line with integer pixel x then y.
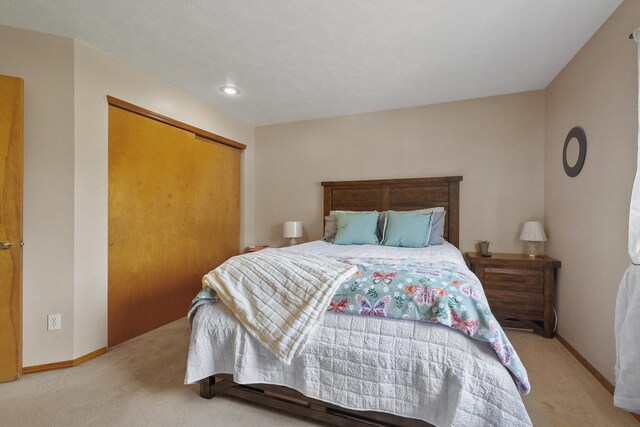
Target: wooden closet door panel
{"type": "Point", "coordinates": [218, 215]}
{"type": "Point", "coordinates": [173, 216]}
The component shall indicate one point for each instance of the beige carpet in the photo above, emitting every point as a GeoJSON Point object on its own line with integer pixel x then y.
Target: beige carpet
{"type": "Point", "coordinates": [139, 383]}
{"type": "Point", "coordinates": [563, 392]}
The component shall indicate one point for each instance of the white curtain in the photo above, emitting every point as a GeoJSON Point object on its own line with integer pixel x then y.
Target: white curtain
{"type": "Point", "coordinates": [627, 326]}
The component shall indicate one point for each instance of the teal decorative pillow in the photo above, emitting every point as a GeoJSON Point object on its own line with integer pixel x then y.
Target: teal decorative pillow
{"type": "Point", "coordinates": [356, 228]}
{"type": "Point", "coordinates": [436, 235]}
{"type": "Point", "coordinates": [330, 227]}
{"type": "Point", "coordinates": [408, 229]}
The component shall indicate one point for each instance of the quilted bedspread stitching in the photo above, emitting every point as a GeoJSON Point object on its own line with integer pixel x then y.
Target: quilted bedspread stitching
{"type": "Point", "coordinates": [414, 370]}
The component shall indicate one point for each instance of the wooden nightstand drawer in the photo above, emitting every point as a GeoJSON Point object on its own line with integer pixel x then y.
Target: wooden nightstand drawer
{"type": "Point", "coordinates": [507, 303]}
{"type": "Point", "coordinates": [513, 279]}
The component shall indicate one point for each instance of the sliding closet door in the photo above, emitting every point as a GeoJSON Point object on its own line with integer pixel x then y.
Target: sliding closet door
{"type": "Point", "coordinates": [174, 214]}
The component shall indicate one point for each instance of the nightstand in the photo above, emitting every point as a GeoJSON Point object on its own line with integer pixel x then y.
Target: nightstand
{"type": "Point", "coordinates": [519, 288]}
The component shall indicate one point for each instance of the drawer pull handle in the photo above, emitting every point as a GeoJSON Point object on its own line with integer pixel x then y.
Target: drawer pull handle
{"type": "Point", "coordinates": [513, 280]}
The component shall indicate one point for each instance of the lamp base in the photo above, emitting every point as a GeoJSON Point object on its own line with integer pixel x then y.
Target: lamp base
{"type": "Point", "coordinates": [532, 249]}
{"type": "Point", "coordinates": [293, 241]}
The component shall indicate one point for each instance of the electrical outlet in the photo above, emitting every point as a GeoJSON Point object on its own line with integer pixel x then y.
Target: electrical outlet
{"type": "Point", "coordinates": [54, 321]}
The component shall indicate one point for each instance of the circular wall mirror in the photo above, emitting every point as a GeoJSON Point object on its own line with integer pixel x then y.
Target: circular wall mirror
{"type": "Point", "coordinates": [574, 152]}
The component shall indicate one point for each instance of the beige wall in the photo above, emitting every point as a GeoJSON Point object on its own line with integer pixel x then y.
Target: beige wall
{"type": "Point", "coordinates": [45, 63]}
{"type": "Point", "coordinates": [65, 223]}
{"type": "Point", "coordinates": [496, 143]}
{"type": "Point", "coordinates": [587, 216]}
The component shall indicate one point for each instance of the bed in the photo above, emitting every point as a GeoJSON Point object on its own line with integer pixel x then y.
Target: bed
{"type": "Point", "coordinates": [365, 371]}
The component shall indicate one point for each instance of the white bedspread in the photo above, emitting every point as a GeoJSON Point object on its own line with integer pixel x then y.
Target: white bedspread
{"type": "Point", "coordinates": [412, 369]}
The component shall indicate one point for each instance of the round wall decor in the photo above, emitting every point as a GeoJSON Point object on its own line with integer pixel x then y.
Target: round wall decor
{"type": "Point", "coordinates": [577, 133]}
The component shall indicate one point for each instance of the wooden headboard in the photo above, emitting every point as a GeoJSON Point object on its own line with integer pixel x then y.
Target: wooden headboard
{"type": "Point", "coordinates": [399, 195]}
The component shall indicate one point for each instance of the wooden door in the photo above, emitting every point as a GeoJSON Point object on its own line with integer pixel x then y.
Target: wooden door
{"type": "Point", "coordinates": [11, 163]}
{"type": "Point", "coordinates": [174, 215]}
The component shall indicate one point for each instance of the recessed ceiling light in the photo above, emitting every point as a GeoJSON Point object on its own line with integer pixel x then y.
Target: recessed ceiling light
{"type": "Point", "coordinates": [230, 90]}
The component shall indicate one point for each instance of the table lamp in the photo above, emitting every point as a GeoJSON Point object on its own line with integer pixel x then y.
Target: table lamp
{"type": "Point", "coordinates": [292, 230]}
{"type": "Point", "coordinates": [533, 233]}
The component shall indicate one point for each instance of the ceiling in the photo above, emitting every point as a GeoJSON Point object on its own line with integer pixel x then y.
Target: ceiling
{"type": "Point", "coordinates": [306, 59]}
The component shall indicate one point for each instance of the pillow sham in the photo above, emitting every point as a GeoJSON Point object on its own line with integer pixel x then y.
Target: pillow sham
{"type": "Point", "coordinates": [330, 227]}
{"type": "Point", "coordinates": [436, 237]}
{"type": "Point", "coordinates": [410, 229]}
{"type": "Point", "coordinates": [356, 228]}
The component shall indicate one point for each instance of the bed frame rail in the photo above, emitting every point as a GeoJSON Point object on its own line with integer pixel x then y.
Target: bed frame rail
{"type": "Point", "coordinates": [294, 402]}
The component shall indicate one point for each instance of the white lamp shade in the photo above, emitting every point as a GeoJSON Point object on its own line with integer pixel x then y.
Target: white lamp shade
{"type": "Point", "coordinates": [533, 232]}
{"type": "Point", "coordinates": [292, 229]}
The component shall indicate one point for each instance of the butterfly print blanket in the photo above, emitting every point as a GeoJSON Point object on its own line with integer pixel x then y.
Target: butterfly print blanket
{"type": "Point", "coordinates": [442, 292]}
